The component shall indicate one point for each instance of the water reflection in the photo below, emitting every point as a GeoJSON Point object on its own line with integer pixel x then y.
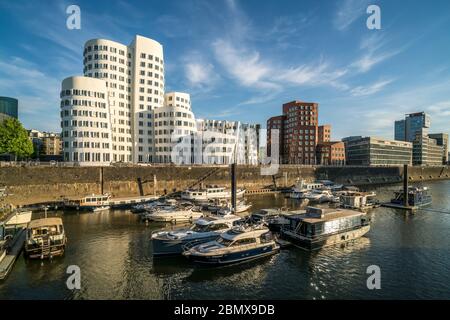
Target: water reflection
{"type": "Point", "coordinates": [113, 250]}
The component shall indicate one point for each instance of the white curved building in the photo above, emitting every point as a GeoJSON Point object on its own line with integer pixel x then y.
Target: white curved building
{"type": "Point", "coordinates": [85, 121]}
{"type": "Point", "coordinates": [118, 112]}
{"type": "Point", "coordinates": [174, 128]}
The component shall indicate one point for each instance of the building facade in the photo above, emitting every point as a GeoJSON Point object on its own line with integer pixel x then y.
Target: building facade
{"type": "Point", "coordinates": [8, 108]}
{"type": "Point", "coordinates": [371, 151]}
{"type": "Point", "coordinates": [119, 111]}
{"type": "Point", "coordinates": [324, 133]}
{"type": "Point", "coordinates": [299, 134]}
{"type": "Point", "coordinates": [413, 124]}
{"type": "Point", "coordinates": [330, 153]}
{"type": "Point", "coordinates": [441, 140]}
{"type": "Point", "coordinates": [426, 151]}
{"type": "Point", "coordinates": [47, 145]}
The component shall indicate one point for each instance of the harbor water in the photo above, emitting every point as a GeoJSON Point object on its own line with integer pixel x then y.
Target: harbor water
{"type": "Point", "coordinates": [113, 251]}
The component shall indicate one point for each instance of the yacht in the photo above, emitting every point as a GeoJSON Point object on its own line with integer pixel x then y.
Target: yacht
{"type": "Point", "coordinates": [236, 245]}
{"type": "Point", "coordinates": [209, 193]}
{"type": "Point", "coordinates": [417, 197]}
{"type": "Point", "coordinates": [240, 207]}
{"type": "Point", "coordinates": [320, 195]}
{"type": "Point", "coordinates": [204, 230]}
{"type": "Point", "coordinates": [320, 227]}
{"type": "Point", "coordinates": [302, 187]}
{"type": "Point", "coordinates": [358, 200]}
{"type": "Point", "coordinates": [173, 214]}
{"type": "Point", "coordinates": [45, 238]}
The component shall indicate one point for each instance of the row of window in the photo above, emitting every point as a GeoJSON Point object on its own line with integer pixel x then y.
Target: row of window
{"type": "Point", "coordinates": [84, 113]}
{"type": "Point", "coordinates": [84, 123]}
{"type": "Point", "coordinates": [85, 93]}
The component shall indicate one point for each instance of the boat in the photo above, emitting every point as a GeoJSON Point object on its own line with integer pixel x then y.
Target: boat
{"type": "Point", "coordinates": [93, 202]}
{"type": "Point", "coordinates": [19, 218]}
{"type": "Point", "coordinates": [320, 227]}
{"type": "Point", "coordinates": [330, 185]}
{"type": "Point", "coordinates": [204, 229]}
{"type": "Point", "coordinates": [417, 197]}
{"type": "Point", "coordinates": [173, 214]}
{"type": "Point", "coordinates": [358, 200]}
{"type": "Point", "coordinates": [321, 195]}
{"type": "Point", "coordinates": [302, 187]}
{"type": "Point", "coordinates": [45, 238]}
{"type": "Point", "coordinates": [240, 207]}
{"type": "Point", "coordinates": [238, 244]}
{"type": "Point", "coordinates": [210, 193]}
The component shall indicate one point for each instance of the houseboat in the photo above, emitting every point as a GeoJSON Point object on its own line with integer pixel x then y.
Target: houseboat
{"type": "Point", "coordinates": [238, 244]}
{"type": "Point", "coordinates": [94, 202]}
{"type": "Point", "coordinates": [417, 197]}
{"type": "Point", "coordinates": [358, 200]}
{"type": "Point", "coordinates": [210, 193]}
{"type": "Point", "coordinates": [45, 238]}
{"type": "Point", "coordinates": [320, 227]}
{"type": "Point", "coordinates": [204, 230]}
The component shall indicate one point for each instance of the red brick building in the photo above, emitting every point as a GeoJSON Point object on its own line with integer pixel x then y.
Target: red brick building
{"type": "Point", "coordinates": [324, 133]}
{"type": "Point", "coordinates": [330, 153]}
{"type": "Point", "coordinates": [298, 132]}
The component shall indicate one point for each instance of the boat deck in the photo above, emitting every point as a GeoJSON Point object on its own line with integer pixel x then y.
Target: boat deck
{"type": "Point", "coordinates": [131, 200]}
{"type": "Point", "coordinates": [8, 261]}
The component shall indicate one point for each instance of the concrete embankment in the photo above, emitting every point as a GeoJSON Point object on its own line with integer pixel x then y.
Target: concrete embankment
{"type": "Point", "coordinates": [29, 185]}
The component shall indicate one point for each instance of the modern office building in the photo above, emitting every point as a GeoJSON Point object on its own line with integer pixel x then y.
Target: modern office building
{"type": "Point", "coordinates": [371, 151]}
{"type": "Point", "coordinates": [426, 151]}
{"type": "Point", "coordinates": [441, 140]}
{"type": "Point", "coordinates": [414, 123]}
{"type": "Point", "coordinates": [8, 108]}
{"type": "Point", "coordinates": [324, 133]}
{"type": "Point", "coordinates": [299, 134]}
{"type": "Point", "coordinates": [330, 153]}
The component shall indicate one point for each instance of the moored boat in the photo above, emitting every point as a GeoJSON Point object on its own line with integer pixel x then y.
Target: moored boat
{"type": "Point", "coordinates": [417, 197]}
{"type": "Point", "coordinates": [320, 227]}
{"type": "Point", "coordinates": [210, 193]}
{"type": "Point", "coordinates": [236, 245]}
{"type": "Point", "coordinates": [45, 238]}
{"type": "Point", "coordinates": [174, 214]}
{"type": "Point", "coordinates": [204, 229]}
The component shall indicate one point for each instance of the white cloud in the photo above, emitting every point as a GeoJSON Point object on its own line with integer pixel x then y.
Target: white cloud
{"type": "Point", "coordinates": [198, 74]}
{"type": "Point", "coordinates": [348, 12]}
{"type": "Point", "coordinates": [371, 89]}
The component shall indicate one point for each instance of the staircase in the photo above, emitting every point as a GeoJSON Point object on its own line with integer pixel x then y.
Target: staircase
{"type": "Point", "coordinates": [203, 178]}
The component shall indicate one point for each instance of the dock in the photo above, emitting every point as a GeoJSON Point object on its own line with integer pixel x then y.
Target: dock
{"type": "Point", "coordinates": [128, 201]}
{"type": "Point", "coordinates": [8, 260]}
{"type": "Point", "coordinates": [399, 206]}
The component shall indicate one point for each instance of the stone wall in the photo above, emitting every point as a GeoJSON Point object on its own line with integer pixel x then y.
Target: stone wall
{"type": "Point", "coordinates": [28, 185]}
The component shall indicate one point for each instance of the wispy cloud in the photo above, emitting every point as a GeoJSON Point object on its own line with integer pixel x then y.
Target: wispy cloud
{"type": "Point", "coordinates": [370, 89]}
{"type": "Point", "coordinates": [348, 12]}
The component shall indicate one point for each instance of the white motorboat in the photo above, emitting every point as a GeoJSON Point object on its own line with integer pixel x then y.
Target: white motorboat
{"type": "Point", "coordinates": [302, 187]}
{"type": "Point", "coordinates": [174, 214]}
{"type": "Point", "coordinates": [20, 218]}
{"type": "Point", "coordinates": [210, 193]}
{"type": "Point", "coordinates": [318, 195]}
{"type": "Point", "coordinates": [204, 229]}
{"type": "Point", "coordinates": [236, 245]}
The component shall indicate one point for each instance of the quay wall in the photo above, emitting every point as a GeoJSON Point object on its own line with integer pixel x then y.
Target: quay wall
{"type": "Point", "coordinates": [31, 185]}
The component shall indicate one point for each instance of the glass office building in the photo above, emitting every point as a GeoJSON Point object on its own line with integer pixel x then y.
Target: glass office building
{"type": "Point", "coordinates": [8, 108]}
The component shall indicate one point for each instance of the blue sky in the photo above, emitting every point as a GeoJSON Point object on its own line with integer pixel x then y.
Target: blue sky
{"type": "Point", "coordinates": [240, 60]}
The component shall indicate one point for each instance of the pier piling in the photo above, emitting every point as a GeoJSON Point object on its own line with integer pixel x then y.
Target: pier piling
{"type": "Point", "coordinates": [405, 186]}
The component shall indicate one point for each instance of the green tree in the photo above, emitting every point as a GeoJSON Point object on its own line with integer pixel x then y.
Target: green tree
{"type": "Point", "coordinates": [14, 139]}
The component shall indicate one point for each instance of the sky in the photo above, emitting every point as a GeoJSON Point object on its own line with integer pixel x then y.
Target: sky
{"type": "Point", "coordinates": [242, 59]}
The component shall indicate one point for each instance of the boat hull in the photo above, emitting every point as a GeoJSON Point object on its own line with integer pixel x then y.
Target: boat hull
{"type": "Point", "coordinates": [175, 218]}
{"type": "Point", "coordinates": [308, 244]}
{"type": "Point", "coordinates": [235, 257]}
{"type": "Point", "coordinates": [55, 250]}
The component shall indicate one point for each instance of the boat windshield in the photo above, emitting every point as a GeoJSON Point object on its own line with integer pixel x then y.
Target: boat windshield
{"type": "Point", "coordinates": [224, 242]}
{"type": "Point", "coordinates": [200, 228]}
